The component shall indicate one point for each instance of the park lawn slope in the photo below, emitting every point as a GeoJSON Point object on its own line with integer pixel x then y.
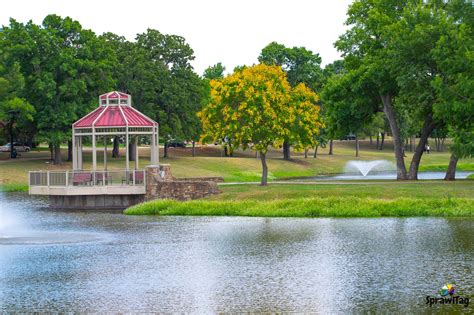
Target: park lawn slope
{"type": "Point", "coordinates": [311, 207]}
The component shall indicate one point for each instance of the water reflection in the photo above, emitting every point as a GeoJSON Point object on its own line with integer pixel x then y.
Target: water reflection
{"type": "Point", "coordinates": [202, 264]}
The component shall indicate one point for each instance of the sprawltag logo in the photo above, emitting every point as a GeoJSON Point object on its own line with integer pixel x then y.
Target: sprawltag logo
{"type": "Point", "coordinates": [448, 296]}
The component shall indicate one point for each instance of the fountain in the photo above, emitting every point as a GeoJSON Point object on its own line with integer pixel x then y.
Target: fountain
{"type": "Point", "coordinates": [15, 231]}
{"type": "Point", "coordinates": [365, 167]}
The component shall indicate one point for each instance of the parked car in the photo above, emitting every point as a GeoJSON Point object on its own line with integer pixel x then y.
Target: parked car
{"type": "Point", "coordinates": [19, 147]}
{"type": "Point", "coordinates": [174, 143]}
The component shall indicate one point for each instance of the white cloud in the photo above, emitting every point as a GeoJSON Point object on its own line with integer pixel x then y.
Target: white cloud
{"type": "Point", "coordinates": [232, 32]}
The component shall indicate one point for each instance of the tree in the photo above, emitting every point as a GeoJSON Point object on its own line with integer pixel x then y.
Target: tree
{"type": "Point", "coordinates": [65, 68]}
{"type": "Point", "coordinates": [455, 83]}
{"type": "Point", "coordinates": [392, 44]}
{"type": "Point", "coordinates": [331, 69]}
{"type": "Point", "coordinates": [348, 106]}
{"type": "Point", "coordinates": [214, 72]}
{"type": "Point", "coordinates": [301, 66]}
{"type": "Point", "coordinates": [13, 108]}
{"type": "Point", "coordinates": [254, 107]}
{"type": "Point", "coordinates": [156, 70]}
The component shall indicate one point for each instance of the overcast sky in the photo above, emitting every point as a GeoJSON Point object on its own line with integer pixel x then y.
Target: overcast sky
{"type": "Point", "coordinates": [231, 32]}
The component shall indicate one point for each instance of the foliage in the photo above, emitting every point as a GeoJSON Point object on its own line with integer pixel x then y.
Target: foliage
{"type": "Point", "coordinates": [454, 86]}
{"type": "Point", "coordinates": [249, 106]}
{"type": "Point", "coordinates": [65, 67]}
{"type": "Point", "coordinates": [392, 45]}
{"type": "Point", "coordinates": [157, 71]}
{"type": "Point", "coordinates": [312, 207]}
{"type": "Point", "coordinates": [14, 187]}
{"type": "Point", "coordinates": [12, 86]}
{"type": "Point", "coordinates": [214, 72]}
{"type": "Point", "coordinates": [300, 64]}
{"type": "Point", "coordinates": [256, 107]}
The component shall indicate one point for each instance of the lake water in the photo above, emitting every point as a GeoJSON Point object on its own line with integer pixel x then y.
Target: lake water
{"type": "Point", "coordinates": [97, 262]}
{"type": "Point", "coordinates": [390, 175]}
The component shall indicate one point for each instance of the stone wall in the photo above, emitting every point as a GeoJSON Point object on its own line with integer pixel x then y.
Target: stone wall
{"type": "Point", "coordinates": [160, 184]}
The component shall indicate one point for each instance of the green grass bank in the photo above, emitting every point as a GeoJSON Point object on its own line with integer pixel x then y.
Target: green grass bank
{"type": "Point", "coordinates": [312, 207]}
{"type": "Point", "coordinates": [14, 187]}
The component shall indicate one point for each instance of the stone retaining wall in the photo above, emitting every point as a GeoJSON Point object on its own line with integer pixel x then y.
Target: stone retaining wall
{"type": "Point", "coordinates": [160, 184]}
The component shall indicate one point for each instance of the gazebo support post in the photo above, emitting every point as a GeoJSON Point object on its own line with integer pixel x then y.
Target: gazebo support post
{"type": "Point", "coordinates": [105, 152]}
{"type": "Point", "coordinates": [135, 140]}
{"type": "Point", "coordinates": [79, 154]}
{"type": "Point", "coordinates": [94, 151]}
{"type": "Point", "coordinates": [127, 162]}
{"type": "Point", "coordinates": [74, 151]}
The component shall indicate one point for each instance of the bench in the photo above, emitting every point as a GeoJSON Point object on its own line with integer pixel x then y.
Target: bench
{"type": "Point", "coordinates": [82, 179]}
{"type": "Point", "coordinates": [139, 177]}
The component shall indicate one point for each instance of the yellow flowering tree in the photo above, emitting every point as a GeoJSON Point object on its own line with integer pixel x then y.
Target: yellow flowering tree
{"type": "Point", "coordinates": [255, 107]}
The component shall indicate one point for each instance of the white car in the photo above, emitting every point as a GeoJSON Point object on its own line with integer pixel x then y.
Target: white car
{"type": "Point", "coordinates": [19, 147]}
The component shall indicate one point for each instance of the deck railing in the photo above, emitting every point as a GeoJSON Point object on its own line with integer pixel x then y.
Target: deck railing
{"type": "Point", "coordinates": [87, 178]}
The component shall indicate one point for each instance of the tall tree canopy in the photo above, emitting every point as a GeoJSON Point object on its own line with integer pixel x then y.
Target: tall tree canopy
{"type": "Point", "coordinates": [65, 67]}
{"type": "Point", "coordinates": [301, 66]}
{"type": "Point", "coordinates": [391, 45]}
{"type": "Point", "coordinates": [255, 107]}
{"type": "Point", "coordinates": [156, 70]}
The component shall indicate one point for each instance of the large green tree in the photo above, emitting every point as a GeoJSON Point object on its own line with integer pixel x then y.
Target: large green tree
{"type": "Point", "coordinates": [454, 85]}
{"type": "Point", "coordinates": [65, 67]}
{"type": "Point", "coordinates": [156, 69]}
{"type": "Point", "coordinates": [301, 66]}
{"type": "Point", "coordinates": [391, 44]}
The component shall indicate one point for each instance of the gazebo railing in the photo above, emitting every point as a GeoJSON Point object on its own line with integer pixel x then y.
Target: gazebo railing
{"type": "Point", "coordinates": [87, 178]}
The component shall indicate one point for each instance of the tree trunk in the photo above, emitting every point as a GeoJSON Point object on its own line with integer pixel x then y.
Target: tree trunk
{"type": "Point", "coordinates": [371, 141]}
{"type": "Point", "coordinates": [330, 147]}
{"type": "Point", "coordinates": [357, 146]}
{"type": "Point", "coordinates": [69, 150]}
{"type": "Point", "coordinates": [306, 153]}
{"type": "Point", "coordinates": [116, 148]}
{"type": "Point", "coordinates": [226, 152]}
{"type": "Point", "coordinates": [382, 142]}
{"type": "Point", "coordinates": [51, 152]}
{"type": "Point", "coordinates": [397, 140]}
{"type": "Point", "coordinates": [165, 151]}
{"type": "Point", "coordinates": [57, 154]}
{"type": "Point", "coordinates": [316, 152]}
{"type": "Point", "coordinates": [132, 148]}
{"type": "Point", "coordinates": [378, 141]}
{"type": "Point", "coordinates": [194, 149]}
{"type": "Point", "coordinates": [451, 172]}
{"type": "Point", "coordinates": [256, 154]}
{"type": "Point", "coordinates": [264, 168]}
{"type": "Point", "coordinates": [428, 127]}
{"type": "Point", "coordinates": [10, 130]}
{"type": "Point", "coordinates": [286, 150]}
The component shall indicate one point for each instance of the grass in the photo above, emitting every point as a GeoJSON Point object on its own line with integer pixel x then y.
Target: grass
{"type": "Point", "coordinates": [14, 187]}
{"type": "Point", "coordinates": [311, 207]}
{"type": "Point", "coordinates": [241, 168]}
{"type": "Point", "coordinates": [375, 190]}
{"type": "Point", "coordinates": [376, 199]}
{"type": "Point", "coordinates": [471, 177]}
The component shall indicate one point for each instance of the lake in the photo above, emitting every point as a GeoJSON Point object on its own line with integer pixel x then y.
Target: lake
{"type": "Point", "coordinates": [97, 261]}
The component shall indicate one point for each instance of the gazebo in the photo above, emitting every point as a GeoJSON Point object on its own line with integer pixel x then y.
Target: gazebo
{"type": "Point", "coordinates": [115, 116]}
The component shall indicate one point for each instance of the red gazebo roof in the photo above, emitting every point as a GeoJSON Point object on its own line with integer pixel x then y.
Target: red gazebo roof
{"type": "Point", "coordinates": [114, 115]}
{"type": "Point", "coordinates": [114, 94]}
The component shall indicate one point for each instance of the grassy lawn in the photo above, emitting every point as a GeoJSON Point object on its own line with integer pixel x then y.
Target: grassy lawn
{"type": "Point", "coordinates": [376, 190]}
{"type": "Point", "coordinates": [243, 167]}
{"type": "Point", "coordinates": [326, 200]}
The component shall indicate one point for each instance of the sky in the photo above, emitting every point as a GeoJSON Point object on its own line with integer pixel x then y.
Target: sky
{"type": "Point", "coordinates": [231, 32]}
